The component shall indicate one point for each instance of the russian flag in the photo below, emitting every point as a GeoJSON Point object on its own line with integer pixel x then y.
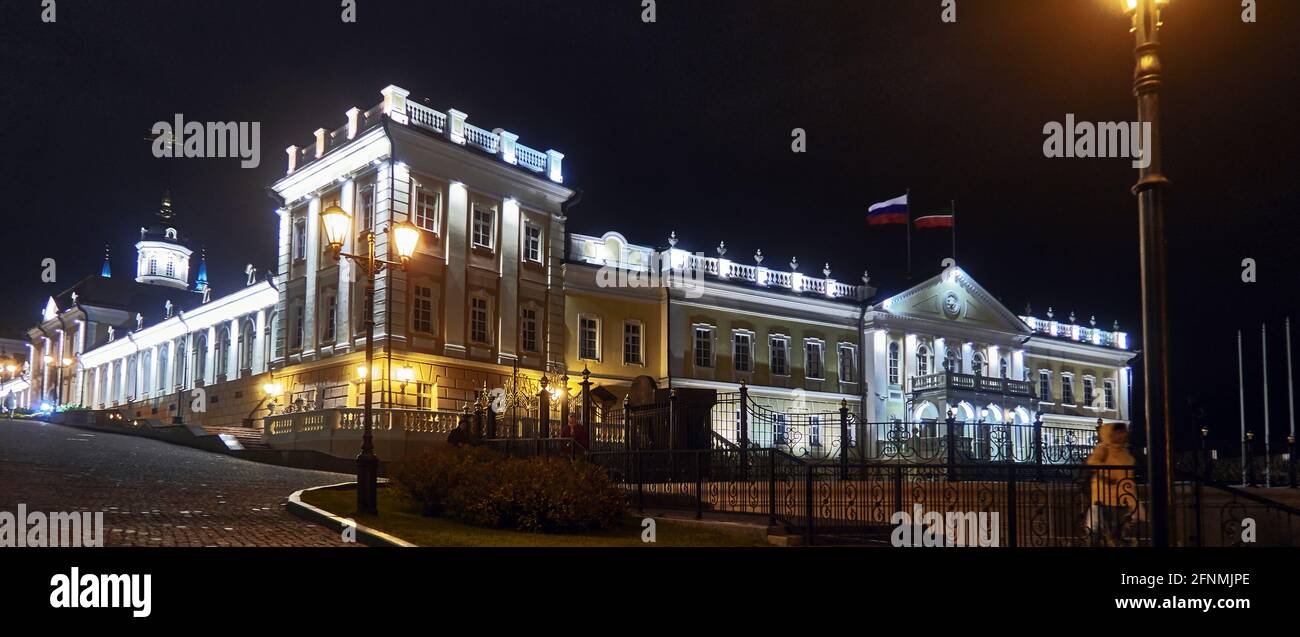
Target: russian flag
{"type": "Point", "coordinates": [888, 212]}
{"type": "Point", "coordinates": [935, 221]}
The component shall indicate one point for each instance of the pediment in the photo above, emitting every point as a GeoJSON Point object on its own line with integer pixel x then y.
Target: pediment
{"type": "Point", "coordinates": [955, 297]}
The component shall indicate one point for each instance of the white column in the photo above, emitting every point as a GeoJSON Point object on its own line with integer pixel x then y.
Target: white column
{"type": "Point", "coordinates": [309, 331]}
{"type": "Point", "coordinates": [210, 357]}
{"type": "Point", "coordinates": [508, 309]}
{"type": "Point", "coordinates": [232, 357]}
{"type": "Point", "coordinates": [457, 246]}
{"type": "Point", "coordinates": [343, 315]}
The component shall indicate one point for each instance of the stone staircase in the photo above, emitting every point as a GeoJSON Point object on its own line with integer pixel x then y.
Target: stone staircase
{"type": "Point", "coordinates": [238, 438]}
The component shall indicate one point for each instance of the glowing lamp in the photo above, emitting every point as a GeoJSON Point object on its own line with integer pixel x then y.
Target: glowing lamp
{"type": "Point", "coordinates": [337, 225]}
{"type": "Point", "coordinates": [406, 236]}
{"type": "Point", "coordinates": [272, 389]}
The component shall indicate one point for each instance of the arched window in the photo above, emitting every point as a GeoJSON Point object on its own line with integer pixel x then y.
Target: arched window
{"type": "Point", "coordinates": [1004, 368]}
{"type": "Point", "coordinates": [179, 362]}
{"type": "Point", "coordinates": [223, 351]}
{"type": "Point", "coordinates": [893, 363]}
{"type": "Point", "coordinates": [153, 265]}
{"type": "Point", "coordinates": [200, 357]}
{"type": "Point", "coordinates": [951, 362]}
{"type": "Point", "coordinates": [130, 377]}
{"type": "Point", "coordinates": [922, 360]}
{"type": "Point", "coordinates": [171, 268]}
{"type": "Point", "coordinates": [162, 368]}
{"type": "Point", "coordinates": [246, 333]}
{"type": "Point", "coordinates": [977, 363]}
{"type": "Point", "coordinates": [146, 371]}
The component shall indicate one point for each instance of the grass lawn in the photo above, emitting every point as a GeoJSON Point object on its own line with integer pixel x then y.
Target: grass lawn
{"type": "Point", "coordinates": [399, 518]}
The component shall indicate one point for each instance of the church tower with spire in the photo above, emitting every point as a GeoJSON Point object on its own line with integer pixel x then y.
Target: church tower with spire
{"type": "Point", "coordinates": [161, 256]}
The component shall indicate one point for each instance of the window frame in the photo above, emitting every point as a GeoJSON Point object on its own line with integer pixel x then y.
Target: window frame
{"type": "Point", "coordinates": [709, 353]}
{"type": "Point", "coordinates": [738, 335]}
{"type": "Point", "coordinates": [772, 350]}
{"type": "Point", "coordinates": [1108, 397]}
{"type": "Point", "coordinates": [820, 346]}
{"type": "Point", "coordinates": [894, 356]}
{"type": "Point", "coordinates": [530, 227]}
{"type": "Point", "coordinates": [475, 209]}
{"type": "Point", "coordinates": [597, 326]}
{"type": "Point", "coordinates": [851, 358]}
{"type": "Point", "coordinates": [419, 214]}
{"type": "Point", "coordinates": [417, 301]}
{"type": "Point", "coordinates": [1045, 376]}
{"type": "Point", "coordinates": [1067, 389]}
{"type": "Point", "coordinates": [487, 319]}
{"type": "Point", "coordinates": [525, 320]}
{"type": "Point", "coordinates": [640, 343]}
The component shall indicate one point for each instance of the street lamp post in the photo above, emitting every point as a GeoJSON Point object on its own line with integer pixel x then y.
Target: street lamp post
{"type": "Point", "coordinates": [405, 237]}
{"type": "Point", "coordinates": [1149, 190]}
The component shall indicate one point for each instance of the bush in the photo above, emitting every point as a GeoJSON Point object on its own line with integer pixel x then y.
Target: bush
{"type": "Point", "coordinates": [548, 495]}
{"type": "Point", "coordinates": [429, 478]}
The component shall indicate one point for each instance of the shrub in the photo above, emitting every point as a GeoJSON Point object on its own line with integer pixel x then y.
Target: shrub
{"type": "Point", "coordinates": [548, 495]}
{"type": "Point", "coordinates": [428, 478]}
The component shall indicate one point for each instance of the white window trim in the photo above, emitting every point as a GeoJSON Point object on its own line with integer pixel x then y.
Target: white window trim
{"type": "Point", "coordinates": [1040, 386]}
{"type": "Point", "coordinates": [713, 349]}
{"type": "Point", "coordinates": [437, 209]}
{"type": "Point", "coordinates": [541, 243]}
{"type": "Point", "coordinates": [488, 322]}
{"type": "Point", "coordinates": [771, 351]}
{"type": "Point", "coordinates": [735, 333]}
{"type": "Point", "coordinates": [433, 306]}
{"type": "Point", "coordinates": [852, 349]}
{"type": "Point", "coordinates": [537, 320]}
{"type": "Point", "coordinates": [1114, 403]}
{"type": "Point", "coordinates": [821, 345]}
{"type": "Point", "coordinates": [640, 343]}
{"type": "Point", "coordinates": [492, 227]}
{"type": "Point", "coordinates": [600, 328]}
{"type": "Point", "coordinates": [1069, 375]}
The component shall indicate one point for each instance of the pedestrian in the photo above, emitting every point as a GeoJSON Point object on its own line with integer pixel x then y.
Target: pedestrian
{"type": "Point", "coordinates": [457, 436]}
{"type": "Point", "coordinates": [579, 430]}
{"type": "Point", "coordinates": [1113, 491]}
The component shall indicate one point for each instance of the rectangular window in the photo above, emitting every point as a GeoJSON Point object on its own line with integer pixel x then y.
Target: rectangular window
{"type": "Point", "coordinates": [894, 372]}
{"type": "Point", "coordinates": [741, 352]}
{"type": "Point", "coordinates": [632, 343]}
{"type": "Point", "coordinates": [1067, 389]}
{"type": "Point", "coordinates": [533, 243]}
{"type": "Point", "coordinates": [299, 239]}
{"type": "Point", "coordinates": [1108, 387]}
{"type": "Point", "coordinates": [428, 206]}
{"type": "Point", "coordinates": [427, 400]}
{"type": "Point", "coordinates": [589, 338]}
{"type": "Point", "coordinates": [1044, 385]}
{"type": "Point", "coordinates": [484, 226]}
{"type": "Point", "coordinates": [813, 360]}
{"type": "Point", "coordinates": [847, 374]}
{"type": "Point", "coordinates": [367, 195]}
{"type": "Point", "coordinates": [528, 329]}
{"type": "Point", "coordinates": [780, 356]}
{"type": "Point", "coordinates": [1088, 390]}
{"type": "Point", "coordinates": [330, 318]}
{"type": "Point", "coordinates": [298, 326]}
{"type": "Point", "coordinates": [704, 347]}
{"type": "Point", "coordinates": [815, 431]}
{"type": "Point", "coordinates": [422, 309]}
{"type": "Point", "coordinates": [478, 320]}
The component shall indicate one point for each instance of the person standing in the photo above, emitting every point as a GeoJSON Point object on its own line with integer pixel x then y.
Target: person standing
{"type": "Point", "coordinates": [1113, 490]}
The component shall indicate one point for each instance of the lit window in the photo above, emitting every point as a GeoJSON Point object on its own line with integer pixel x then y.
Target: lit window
{"type": "Point", "coordinates": [533, 243]}
{"type": "Point", "coordinates": [741, 346]}
{"type": "Point", "coordinates": [478, 320]}
{"type": "Point", "coordinates": [589, 338]}
{"type": "Point", "coordinates": [815, 431]}
{"type": "Point", "coordinates": [428, 204]}
{"type": "Point", "coordinates": [780, 362]}
{"type": "Point", "coordinates": [813, 360]}
{"type": "Point", "coordinates": [528, 329]}
{"type": "Point", "coordinates": [894, 375]}
{"type": "Point", "coordinates": [422, 309]}
{"type": "Point", "coordinates": [484, 226]}
{"type": "Point", "coordinates": [632, 343]}
{"type": "Point", "coordinates": [704, 347]}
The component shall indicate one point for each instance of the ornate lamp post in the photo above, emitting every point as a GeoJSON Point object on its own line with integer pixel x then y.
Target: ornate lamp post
{"type": "Point", "coordinates": [1150, 193]}
{"type": "Point", "coordinates": [405, 237]}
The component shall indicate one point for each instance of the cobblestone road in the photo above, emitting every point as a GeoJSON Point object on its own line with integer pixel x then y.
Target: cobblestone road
{"type": "Point", "coordinates": [153, 493]}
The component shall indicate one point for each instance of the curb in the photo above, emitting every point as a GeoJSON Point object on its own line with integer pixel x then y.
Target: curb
{"type": "Point", "coordinates": [365, 534]}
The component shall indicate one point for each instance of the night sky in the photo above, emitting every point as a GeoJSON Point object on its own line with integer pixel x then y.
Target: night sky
{"type": "Point", "coordinates": [685, 125]}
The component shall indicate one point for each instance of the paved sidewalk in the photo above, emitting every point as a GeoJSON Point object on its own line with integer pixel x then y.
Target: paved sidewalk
{"type": "Point", "coordinates": [153, 493]}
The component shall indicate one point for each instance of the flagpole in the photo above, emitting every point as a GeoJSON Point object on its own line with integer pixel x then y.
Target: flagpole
{"type": "Point", "coordinates": [908, 210]}
{"type": "Point", "coordinates": [1241, 394]}
{"type": "Point", "coordinates": [1263, 332]}
{"type": "Point", "coordinates": [953, 204]}
{"type": "Point", "coordinates": [1290, 397]}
